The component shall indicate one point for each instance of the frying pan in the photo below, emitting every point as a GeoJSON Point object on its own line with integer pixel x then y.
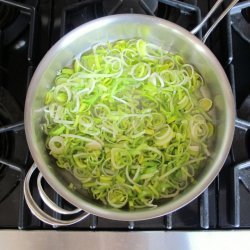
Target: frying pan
{"type": "Point", "coordinates": [111, 28]}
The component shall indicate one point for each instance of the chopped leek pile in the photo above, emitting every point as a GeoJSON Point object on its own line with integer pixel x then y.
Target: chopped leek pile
{"type": "Point", "coordinates": [129, 121]}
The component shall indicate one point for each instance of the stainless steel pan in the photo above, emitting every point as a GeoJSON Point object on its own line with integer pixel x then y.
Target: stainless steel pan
{"type": "Point", "coordinates": [112, 28]}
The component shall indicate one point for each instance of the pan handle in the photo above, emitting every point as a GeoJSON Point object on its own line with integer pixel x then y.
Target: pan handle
{"type": "Point", "coordinates": [209, 14]}
{"type": "Point", "coordinates": [39, 213]}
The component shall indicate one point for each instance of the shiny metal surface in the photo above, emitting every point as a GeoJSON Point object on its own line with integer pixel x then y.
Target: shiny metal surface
{"type": "Point", "coordinates": [209, 14]}
{"type": "Point", "coordinates": [237, 9]}
{"type": "Point", "coordinates": [112, 28]}
{"type": "Point", "coordinates": [40, 214]}
{"type": "Point", "coordinates": [151, 240]}
{"type": "Point", "coordinates": [49, 202]}
{"type": "Point", "coordinates": [222, 15]}
{"type": "Point", "coordinates": [242, 124]}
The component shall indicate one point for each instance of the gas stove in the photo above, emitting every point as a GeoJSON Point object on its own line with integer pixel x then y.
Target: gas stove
{"type": "Point", "coordinates": [29, 28]}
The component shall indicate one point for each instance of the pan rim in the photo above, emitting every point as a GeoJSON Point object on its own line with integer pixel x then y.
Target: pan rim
{"type": "Point", "coordinates": [122, 215]}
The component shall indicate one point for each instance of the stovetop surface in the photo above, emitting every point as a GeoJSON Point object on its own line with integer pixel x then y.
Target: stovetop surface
{"type": "Point", "coordinates": [29, 28]}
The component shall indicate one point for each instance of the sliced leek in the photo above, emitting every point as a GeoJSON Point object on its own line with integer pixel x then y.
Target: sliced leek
{"type": "Point", "coordinates": [129, 121]}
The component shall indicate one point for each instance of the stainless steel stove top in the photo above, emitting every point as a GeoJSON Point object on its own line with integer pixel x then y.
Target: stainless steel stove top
{"type": "Point", "coordinates": [151, 240]}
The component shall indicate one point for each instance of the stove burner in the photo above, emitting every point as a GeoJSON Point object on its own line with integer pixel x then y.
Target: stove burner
{"type": "Point", "coordinates": [246, 14]}
{"type": "Point", "coordinates": [240, 16]}
{"type": "Point", "coordinates": [182, 13]}
{"type": "Point", "coordinates": [82, 12]}
{"type": "Point", "coordinates": [130, 6]}
{"type": "Point", "coordinates": [13, 20]}
{"type": "Point", "coordinates": [7, 15]}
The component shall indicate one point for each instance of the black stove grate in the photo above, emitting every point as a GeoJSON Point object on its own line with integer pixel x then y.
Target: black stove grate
{"type": "Point", "coordinates": [240, 173]}
{"type": "Point", "coordinates": [13, 38]}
